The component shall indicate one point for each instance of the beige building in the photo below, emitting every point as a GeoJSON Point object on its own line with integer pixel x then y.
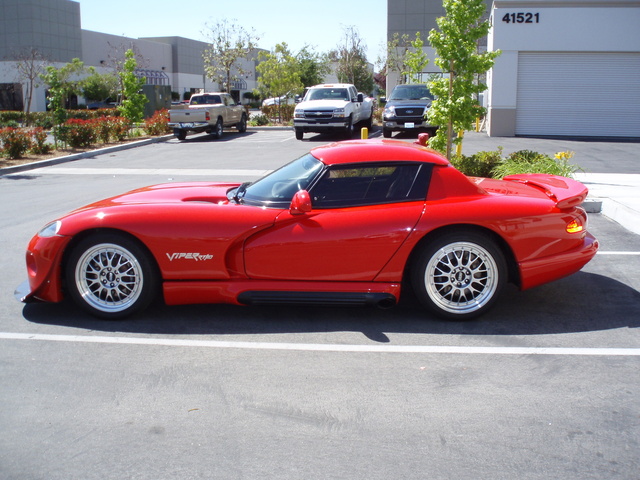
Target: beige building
{"type": "Point", "coordinates": [53, 27]}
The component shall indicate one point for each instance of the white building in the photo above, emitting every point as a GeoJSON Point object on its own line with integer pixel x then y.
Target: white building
{"type": "Point", "coordinates": [568, 67]}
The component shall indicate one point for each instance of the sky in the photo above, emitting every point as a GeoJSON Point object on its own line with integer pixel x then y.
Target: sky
{"type": "Point", "coordinates": [319, 24]}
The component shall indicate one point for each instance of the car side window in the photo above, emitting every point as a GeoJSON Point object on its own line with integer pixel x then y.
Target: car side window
{"type": "Point", "coordinates": [349, 186]}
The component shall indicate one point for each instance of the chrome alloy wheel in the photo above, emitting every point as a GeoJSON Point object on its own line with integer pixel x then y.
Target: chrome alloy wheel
{"type": "Point", "coordinates": [461, 277]}
{"type": "Point", "coordinates": [109, 277]}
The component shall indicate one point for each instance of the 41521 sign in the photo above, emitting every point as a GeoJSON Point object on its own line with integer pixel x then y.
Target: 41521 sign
{"type": "Point", "coordinates": [521, 17]}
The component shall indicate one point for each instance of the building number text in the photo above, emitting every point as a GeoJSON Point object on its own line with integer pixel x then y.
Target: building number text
{"type": "Point", "coordinates": [521, 17]}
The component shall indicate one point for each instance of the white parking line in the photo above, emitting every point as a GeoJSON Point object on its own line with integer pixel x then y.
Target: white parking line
{"type": "Point", "coordinates": [618, 253]}
{"type": "Point", "coordinates": [314, 347]}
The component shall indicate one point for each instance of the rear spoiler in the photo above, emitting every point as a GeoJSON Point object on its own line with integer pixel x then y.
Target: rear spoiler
{"type": "Point", "coordinates": [566, 192]}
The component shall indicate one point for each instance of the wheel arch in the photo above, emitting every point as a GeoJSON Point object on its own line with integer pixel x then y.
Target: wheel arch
{"type": "Point", "coordinates": [80, 236]}
{"type": "Point", "coordinates": [512, 264]}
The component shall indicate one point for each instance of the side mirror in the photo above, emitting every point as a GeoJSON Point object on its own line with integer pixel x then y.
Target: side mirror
{"type": "Point", "coordinates": [360, 97]}
{"type": "Point", "coordinates": [301, 203]}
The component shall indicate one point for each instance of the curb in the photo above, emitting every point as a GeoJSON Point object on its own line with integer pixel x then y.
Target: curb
{"type": "Point", "coordinates": [78, 156]}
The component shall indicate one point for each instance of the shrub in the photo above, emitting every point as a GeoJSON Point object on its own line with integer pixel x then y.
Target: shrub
{"type": "Point", "coordinates": [158, 124]}
{"type": "Point", "coordinates": [15, 142]}
{"type": "Point", "coordinates": [39, 144]}
{"type": "Point", "coordinates": [259, 120]}
{"type": "Point", "coordinates": [285, 112]}
{"type": "Point", "coordinates": [78, 133]}
{"type": "Point", "coordinates": [480, 164]}
{"type": "Point", "coordinates": [119, 127]}
{"type": "Point", "coordinates": [103, 129]}
{"type": "Point", "coordinates": [526, 161]}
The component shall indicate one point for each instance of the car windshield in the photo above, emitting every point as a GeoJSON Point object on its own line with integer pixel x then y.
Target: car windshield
{"type": "Point", "coordinates": [277, 188]}
{"type": "Point", "coordinates": [411, 92]}
{"type": "Point", "coordinates": [328, 94]}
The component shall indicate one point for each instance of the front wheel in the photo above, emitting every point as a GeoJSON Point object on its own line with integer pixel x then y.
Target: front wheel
{"type": "Point", "coordinates": [299, 134]}
{"type": "Point", "coordinates": [242, 125]}
{"type": "Point", "coordinates": [111, 276]}
{"type": "Point", "coordinates": [349, 129]}
{"type": "Point", "coordinates": [459, 275]}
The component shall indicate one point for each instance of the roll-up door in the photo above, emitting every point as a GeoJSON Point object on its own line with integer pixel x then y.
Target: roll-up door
{"type": "Point", "coordinates": [578, 94]}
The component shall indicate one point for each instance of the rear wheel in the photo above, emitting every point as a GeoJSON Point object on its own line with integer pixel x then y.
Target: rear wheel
{"type": "Point", "coordinates": [217, 131]}
{"type": "Point", "coordinates": [459, 275]}
{"type": "Point", "coordinates": [180, 134]}
{"type": "Point", "coordinates": [111, 276]}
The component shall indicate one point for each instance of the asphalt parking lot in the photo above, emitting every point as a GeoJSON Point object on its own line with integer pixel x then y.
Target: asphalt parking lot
{"type": "Point", "coordinates": [546, 385]}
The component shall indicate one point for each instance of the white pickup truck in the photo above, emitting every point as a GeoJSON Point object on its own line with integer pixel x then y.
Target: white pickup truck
{"type": "Point", "coordinates": [207, 112]}
{"type": "Point", "coordinates": [334, 107]}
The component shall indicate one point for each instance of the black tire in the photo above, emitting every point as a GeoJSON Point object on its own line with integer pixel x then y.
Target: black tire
{"type": "Point", "coordinates": [242, 125]}
{"type": "Point", "coordinates": [180, 134]}
{"type": "Point", "coordinates": [218, 130]}
{"type": "Point", "coordinates": [349, 129]}
{"type": "Point", "coordinates": [299, 133]}
{"type": "Point", "coordinates": [386, 133]}
{"type": "Point", "coordinates": [459, 276]}
{"type": "Point", "coordinates": [110, 276]}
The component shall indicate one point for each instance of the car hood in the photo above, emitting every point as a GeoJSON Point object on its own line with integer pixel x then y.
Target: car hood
{"type": "Point", "coordinates": [409, 103]}
{"type": "Point", "coordinates": [169, 193]}
{"type": "Point", "coordinates": [323, 104]}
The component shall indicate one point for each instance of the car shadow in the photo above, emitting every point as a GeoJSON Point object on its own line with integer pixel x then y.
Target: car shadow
{"type": "Point", "coordinates": [584, 302]}
{"type": "Point", "coordinates": [227, 136]}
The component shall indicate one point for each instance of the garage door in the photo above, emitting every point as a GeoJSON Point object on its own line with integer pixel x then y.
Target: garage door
{"type": "Point", "coordinates": [578, 94]}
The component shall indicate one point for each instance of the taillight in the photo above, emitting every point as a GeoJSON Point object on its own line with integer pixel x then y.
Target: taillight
{"type": "Point", "coordinates": [575, 226]}
{"type": "Point", "coordinates": [207, 116]}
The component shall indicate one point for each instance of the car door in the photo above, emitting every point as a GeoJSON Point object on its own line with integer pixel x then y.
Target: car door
{"type": "Point", "coordinates": [360, 218]}
{"type": "Point", "coordinates": [232, 112]}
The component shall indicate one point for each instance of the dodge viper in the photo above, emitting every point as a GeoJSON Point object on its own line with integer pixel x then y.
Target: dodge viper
{"type": "Point", "coordinates": [350, 223]}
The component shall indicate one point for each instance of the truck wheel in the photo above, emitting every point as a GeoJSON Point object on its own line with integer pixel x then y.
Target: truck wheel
{"type": "Point", "coordinates": [349, 129]}
{"type": "Point", "coordinates": [217, 132]}
{"type": "Point", "coordinates": [386, 133]}
{"type": "Point", "coordinates": [299, 133]}
{"type": "Point", "coordinates": [180, 134]}
{"type": "Point", "coordinates": [242, 125]}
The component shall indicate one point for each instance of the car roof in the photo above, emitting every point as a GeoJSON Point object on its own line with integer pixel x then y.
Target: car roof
{"type": "Point", "coordinates": [376, 150]}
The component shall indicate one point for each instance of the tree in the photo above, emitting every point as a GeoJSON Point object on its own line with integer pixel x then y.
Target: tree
{"type": "Point", "coordinates": [133, 101]}
{"type": "Point", "coordinates": [312, 67]}
{"type": "Point", "coordinates": [62, 82]}
{"type": "Point", "coordinates": [30, 64]}
{"type": "Point", "coordinates": [229, 43]}
{"type": "Point", "coordinates": [415, 60]}
{"type": "Point", "coordinates": [100, 86]}
{"type": "Point", "coordinates": [456, 47]}
{"type": "Point", "coordinates": [279, 73]}
{"type": "Point", "coordinates": [352, 61]}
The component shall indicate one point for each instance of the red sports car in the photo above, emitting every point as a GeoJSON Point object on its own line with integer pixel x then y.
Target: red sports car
{"type": "Point", "coordinates": [347, 224]}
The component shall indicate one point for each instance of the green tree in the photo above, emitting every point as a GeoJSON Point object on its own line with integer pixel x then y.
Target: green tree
{"type": "Point", "coordinates": [279, 73]}
{"type": "Point", "coordinates": [415, 60]}
{"type": "Point", "coordinates": [133, 101]}
{"type": "Point", "coordinates": [350, 55]}
{"type": "Point", "coordinates": [312, 67]}
{"type": "Point", "coordinates": [456, 106]}
{"type": "Point", "coordinates": [100, 86]}
{"type": "Point", "coordinates": [229, 43]}
{"type": "Point", "coordinates": [62, 82]}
